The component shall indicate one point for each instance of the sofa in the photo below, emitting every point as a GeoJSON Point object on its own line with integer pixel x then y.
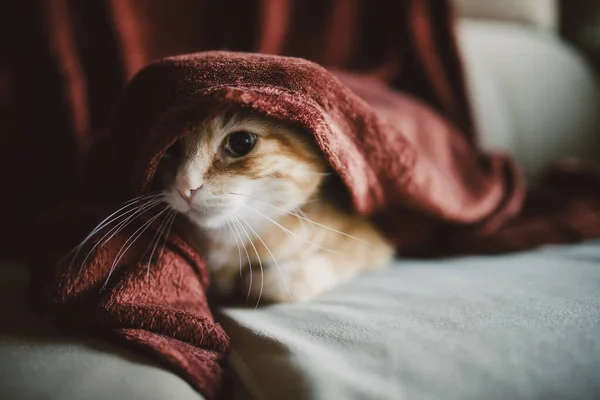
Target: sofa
{"type": "Point", "coordinates": [519, 326]}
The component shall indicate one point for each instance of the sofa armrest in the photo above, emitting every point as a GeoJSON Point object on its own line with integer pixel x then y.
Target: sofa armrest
{"type": "Point", "coordinates": [541, 14]}
{"type": "Point", "coordinates": [533, 95]}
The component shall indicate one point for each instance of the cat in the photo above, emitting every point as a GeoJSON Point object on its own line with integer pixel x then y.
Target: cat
{"type": "Point", "coordinates": [258, 196]}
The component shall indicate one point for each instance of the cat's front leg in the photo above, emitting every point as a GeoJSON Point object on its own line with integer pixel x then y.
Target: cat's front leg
{"type": "Point", "coordinates": [293, 281]}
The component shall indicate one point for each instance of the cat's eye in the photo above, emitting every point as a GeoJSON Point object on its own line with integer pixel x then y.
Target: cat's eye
{"type": "Point", "coordinates": [238, 144]}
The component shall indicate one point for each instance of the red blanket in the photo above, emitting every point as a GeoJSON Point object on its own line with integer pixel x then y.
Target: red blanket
{"type": "Point", "coordinates": [409, 160]}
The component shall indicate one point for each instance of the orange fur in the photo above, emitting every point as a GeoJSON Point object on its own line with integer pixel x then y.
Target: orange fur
{"type": "Point", "coordinates": [270, 206]}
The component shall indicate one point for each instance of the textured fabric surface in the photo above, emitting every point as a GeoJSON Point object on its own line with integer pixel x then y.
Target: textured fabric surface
{"type": "Point", "coordinates": [518, 326]}
{"type": "Point", "coordinates": [39, 360]}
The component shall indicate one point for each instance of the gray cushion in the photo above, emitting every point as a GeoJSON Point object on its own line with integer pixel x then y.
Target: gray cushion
{"type": "Point", "coordinates": [518, 326]}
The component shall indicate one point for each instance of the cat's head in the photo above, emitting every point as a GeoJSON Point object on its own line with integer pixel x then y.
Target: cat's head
{"type": "Point", "coordinates": [240, 165]}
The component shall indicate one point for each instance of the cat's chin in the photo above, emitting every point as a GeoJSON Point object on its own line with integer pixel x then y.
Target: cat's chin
{"type": "Point", "coordinates": [201, 220]}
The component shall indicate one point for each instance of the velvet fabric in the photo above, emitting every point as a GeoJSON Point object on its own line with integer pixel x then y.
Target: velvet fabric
{"type": "Point", "coordinates": [390, 113]}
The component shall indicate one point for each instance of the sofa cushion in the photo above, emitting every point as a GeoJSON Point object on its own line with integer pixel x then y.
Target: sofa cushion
{"type": "Point", "coordinates": [532, 94]}
{"type": "Point", "coordinates": [541, 14]}
{"type": "Point", "coordinates": [518, 326]}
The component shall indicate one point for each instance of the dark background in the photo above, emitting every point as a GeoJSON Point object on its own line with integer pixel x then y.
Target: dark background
{"type": "Point", "coordinates": [580, 24]}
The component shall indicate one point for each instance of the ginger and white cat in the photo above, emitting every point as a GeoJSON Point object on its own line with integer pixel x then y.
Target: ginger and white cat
{"type": "Point", "coordinates": [258, 198]}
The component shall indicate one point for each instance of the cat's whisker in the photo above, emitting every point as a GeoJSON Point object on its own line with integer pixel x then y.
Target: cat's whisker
{"type": "Point", "coordinates": [320, 173]}
{"type": "Point", "coordinates": [144, 196]}
{"type": "Point", "coordinates": [274, 260]}
{"type": "Point", "coordinates": [132, 239]}
{"type": "Point", "coordinates": [237, 243]}
{"type": "Point", "coordinates": [297, 210]}
{"type": "Point", "coordinates": [166, 236]}
{"type": "Point", "coordinates": [262, 276]}
{"type": "Point", "coordinates": [149, 199]}
{"type": "Point", "coordinates": [156, 240]}
{"type": "Point", "coordinates": [138, 210]}
{"type": "Point", "coordinates": [233, 221]}
{"type": "Point", "coordinates": [120, 226]}
{"type": "Point", "coordinates": [127, 204]}
{"type": "Point", "coordinates": [304, 218]}
{"type": "Point", "coordinates": [290, 232]}
{"type": "Point", "coordinates": [302, 213]}
{"type": "Point", "coordinates": [105, 222]}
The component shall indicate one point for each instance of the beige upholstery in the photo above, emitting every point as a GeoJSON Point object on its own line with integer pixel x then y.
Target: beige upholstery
{"type": "Point", "coordinates": [542, 14]}
{"type": "Point", "coordinates": [533, 95]}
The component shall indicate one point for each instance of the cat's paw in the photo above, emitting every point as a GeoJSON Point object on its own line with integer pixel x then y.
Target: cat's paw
{"type": "Point", "coordinates": [293, 281]}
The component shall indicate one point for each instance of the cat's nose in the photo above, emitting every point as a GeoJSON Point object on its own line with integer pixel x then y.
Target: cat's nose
{"type": "Point", "coordinates": [188, 194]}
